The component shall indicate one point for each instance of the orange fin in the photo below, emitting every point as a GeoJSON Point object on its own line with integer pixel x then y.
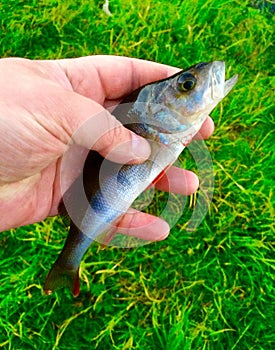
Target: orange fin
{"type": "Point", "coordinates": [59, 277]}
{"type": "Point", "coordinates": [159, 176]}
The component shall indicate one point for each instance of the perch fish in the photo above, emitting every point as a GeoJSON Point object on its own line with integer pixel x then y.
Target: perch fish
{"type": "Point", "coordinates": [168, 113]}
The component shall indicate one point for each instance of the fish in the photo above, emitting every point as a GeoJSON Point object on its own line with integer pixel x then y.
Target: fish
{"type": "Point", "coordinates": [168, 113]}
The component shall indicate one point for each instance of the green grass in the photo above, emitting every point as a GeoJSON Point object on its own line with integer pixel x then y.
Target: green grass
{"type": "Point", "coordinates": [208, 289]}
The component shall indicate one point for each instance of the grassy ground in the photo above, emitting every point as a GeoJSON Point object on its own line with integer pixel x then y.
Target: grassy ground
{"type": "Point", "coordinates": [209, 289]}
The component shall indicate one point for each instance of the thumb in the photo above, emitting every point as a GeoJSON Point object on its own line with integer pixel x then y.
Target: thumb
{"type": "Point", "coordinates": [93, 127]}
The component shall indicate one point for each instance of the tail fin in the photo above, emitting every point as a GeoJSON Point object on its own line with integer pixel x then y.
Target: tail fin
{"type": "Point", "coordinates": [59, 277]}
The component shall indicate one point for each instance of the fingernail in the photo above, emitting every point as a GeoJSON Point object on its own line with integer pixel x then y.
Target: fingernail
{"type": "Point", "coordinates": [141, 147]}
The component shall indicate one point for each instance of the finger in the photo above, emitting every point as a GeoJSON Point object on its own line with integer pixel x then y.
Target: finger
{"type": "Point", "coordinates": [179, 181]}
{"type": "Point", "coordinates": [206, 130]}
{"type": "Point", "coordinates": [115, 76]}
{"type": "Point", "coordinates": [91, 126]}
{"type": "Point", "coordinates": [144, 226]}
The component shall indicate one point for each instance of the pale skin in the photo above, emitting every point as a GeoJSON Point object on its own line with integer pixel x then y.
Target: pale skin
{"type": "Point", "coordinates": [43, 104]}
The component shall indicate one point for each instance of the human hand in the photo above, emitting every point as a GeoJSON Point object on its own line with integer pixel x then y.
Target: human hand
{"type": "Point", "coordinates": [43, 103]}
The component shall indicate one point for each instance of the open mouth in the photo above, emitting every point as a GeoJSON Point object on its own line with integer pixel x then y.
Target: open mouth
{"type": "Point", "coordinates": [228, 85]}
{"type": "Point", "coordinates": [220, 87]}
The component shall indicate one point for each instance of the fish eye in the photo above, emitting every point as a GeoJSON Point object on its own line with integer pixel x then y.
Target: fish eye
{"type": "Point", "coordinates": [186, 82]}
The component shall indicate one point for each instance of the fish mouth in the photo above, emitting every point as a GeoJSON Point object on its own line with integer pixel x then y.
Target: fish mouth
{"type": "Point", "coordinates": [219, 87]}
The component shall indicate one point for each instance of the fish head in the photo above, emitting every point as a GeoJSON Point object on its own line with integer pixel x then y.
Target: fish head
{"type": "Point", "coordinates": [200, 88]}
{"type": "Point", "coordinates": [184, 100]}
